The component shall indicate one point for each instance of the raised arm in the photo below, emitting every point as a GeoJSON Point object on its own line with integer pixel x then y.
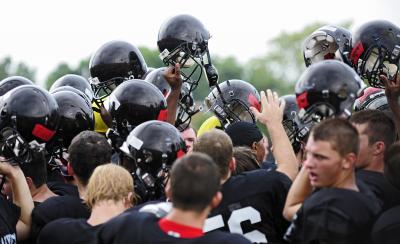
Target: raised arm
{"type": "Point", "coordinates": [174, 79]}
{"type": "Point", "coordinates": [271, 116]}
{"type": "Point", "coordinates": [21, 197]}
{"type": "Point", "coordinates": [298, 192]}
{"type": "Point", "coordinates": [392, 91]}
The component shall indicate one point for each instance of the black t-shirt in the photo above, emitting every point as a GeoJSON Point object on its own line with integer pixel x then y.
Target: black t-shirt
{"type": "Point", "coordinates": [387, 228]}
{"type": "Point", "coordinates": [57, 208]}
{"type": "Point", "coordinates": [383, 190]}
{"type": "Point", "coordinates": [9, 215]}
{"type": "Point", "coordinates": [252, 205]}
{"type": "Point", "coordinates": [137, 227]}
{"type": "Point", "coordinates": [334, 215]}
{"type": "Point", "coordinates": [68, 231]}
{"type": "Point", "coordinates": [63, 189]}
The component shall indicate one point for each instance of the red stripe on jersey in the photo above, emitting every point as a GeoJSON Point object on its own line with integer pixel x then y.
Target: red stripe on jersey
{"type": "Point", "coordinates": [179, 231]}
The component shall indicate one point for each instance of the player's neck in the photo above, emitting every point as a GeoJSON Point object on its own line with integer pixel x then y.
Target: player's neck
{"type": "Point", "coordinates": [41, 193]}
{"type": "Point", "coordinates": [376, 165]}
{"type": "Point", "coordinates": [81, 189]}
{"type": "Point", "coordinates": [347, 181]}
{"type": "Point", "coordinates": [188, 218]}
{"type": "Point", "coordinates": [104, 211]}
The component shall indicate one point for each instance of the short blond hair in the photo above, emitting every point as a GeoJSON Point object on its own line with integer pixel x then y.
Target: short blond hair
{"type": "Point", "coordinates": [108, 182]}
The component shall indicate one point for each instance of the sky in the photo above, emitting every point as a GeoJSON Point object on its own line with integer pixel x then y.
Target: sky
{"type": "Point", "coordinates": [45, 33]}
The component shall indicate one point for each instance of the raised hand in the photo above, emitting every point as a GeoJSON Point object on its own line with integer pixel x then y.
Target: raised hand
{"type": "Point", "coordinates": [271, 108]}
{"type": "Point", "coordinates": [173, 77]}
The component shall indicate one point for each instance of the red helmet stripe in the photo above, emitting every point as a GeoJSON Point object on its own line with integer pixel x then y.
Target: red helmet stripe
{"type": "Point", "coordinates": [180, 153]}
{"type": "Point", "coordinates": [254, 102]}
{"type": "Point", "coordinates": [356, 52]}
{"type": "Point", "coordinates": [302, 100]}
{"type": "Point", "coordinates": [42, 132]}
{"type": "Point", "coordinates": [163, 115]}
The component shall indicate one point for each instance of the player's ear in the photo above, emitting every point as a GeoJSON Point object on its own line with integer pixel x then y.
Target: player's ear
{"type": "Point", "coordinates": [216, 199]}
{"type": "Point", "coordinates": [349, 161]}
{"type": "Point", "coordinates": [29, 181]}
{"type": "Point", "coordinates": [232, 164]}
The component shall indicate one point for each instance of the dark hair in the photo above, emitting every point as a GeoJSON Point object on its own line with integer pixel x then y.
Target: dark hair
{"type": "Point", "coordinates": [392, 164]}
{"type": "Point", "coordinates": [380, 127]}
{"type": "Point", "coordinates": [194, 182]}
{"type": "Point", "coordinates": [340, 133]}
{"type": "Point", "coordinates": [218, 145]}
{"type": "Point", "coordinates": [36, 169]}
{"type": "Point", "coordinates": [245, 160]}
{"type": "Point", "coordinates": [186, 126]}
{"type": "Point", "coordinates": [88, 150]}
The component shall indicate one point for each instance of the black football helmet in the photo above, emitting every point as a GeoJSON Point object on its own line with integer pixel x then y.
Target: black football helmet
{"type": "Point", "coordinates": [183, 39]}
{"type": "Point", "coordinates": [28, 118]}
{"type": "Point", "coordinates": [113, 63]}
{"type": "Point", "coordinates": [376, 51]}
{"type": "Point", "coordinates": [75, 116]}
{"type": "Point", "coordinates": [327, 89]}
{"type": "Point", "coordinates": [372, 98]}
{"type": "Point", "coordinates": [11, 82]}
{"type": "Point", "coordinates": [76, 81]}
{"type": "Point", "coordinates": [134, 102]}
{"type": "Point", "coordinates": [327, 42]}
{"type": "Point", "coordinates": [295, 130]}
{"type": "Point", "coordinates": [231, 100]}
{"type": "Point", "coordinates": [154, 146]}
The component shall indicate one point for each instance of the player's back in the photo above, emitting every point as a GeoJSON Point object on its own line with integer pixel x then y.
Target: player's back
{"type": "Point", "coordinates": [252, 205]}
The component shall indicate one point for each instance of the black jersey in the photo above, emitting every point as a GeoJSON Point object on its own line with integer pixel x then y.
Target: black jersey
{"type": "Point", "coordinates": [68, 231]}
{"type": "Point", "coordinates": [387, 228]}
{"type": "Point", "coordinates": [9, 215]}
{"type": "Point", "coordinates": [252, 205]}
{"type": "Point", "coordinates": [137, 227]}
{"type": "Point", "coordinates": [63, 189]}
{"type": "Point", "coordinates": [56, 208]}
{"type": "Point", "coordinates": [334, 215]}
{"type": "Point", "coordinates": [383, 190]}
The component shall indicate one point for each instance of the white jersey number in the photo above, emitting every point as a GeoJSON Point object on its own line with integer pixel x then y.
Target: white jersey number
{"type": "Point", "coordinates": [237, 217]}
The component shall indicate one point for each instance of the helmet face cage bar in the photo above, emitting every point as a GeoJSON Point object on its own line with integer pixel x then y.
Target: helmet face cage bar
{"type": "Point", "coordinates": [14, 148]}
{"type": "Point", "coordinates": [101, 90]}
{"type": "Point", "coordinates": [228, 115]}
{"type": "Point", "coordinates": [186, 108]}
{"type": "Point", "coordinates": [316, 113]}
{"type": "Point", "coordinates": [184, 54]}
{"type": "Point", "coordinates": [154, 184]}
{"type": "Point", "coordinates": [371, 69]}
{"type": "Point", "coordinates": [189, 55]}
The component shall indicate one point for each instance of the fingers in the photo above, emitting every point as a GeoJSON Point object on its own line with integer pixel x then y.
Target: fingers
{"type": "Point", "coordinates": [255, 111]}
{"type": "Point", "coordinates": [385, 80]}
{"type": "Point", "coordinates": [177, 69]}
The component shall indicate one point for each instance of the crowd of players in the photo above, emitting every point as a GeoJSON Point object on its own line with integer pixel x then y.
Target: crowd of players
{"type": "Point", "coordinates": [115, 159]}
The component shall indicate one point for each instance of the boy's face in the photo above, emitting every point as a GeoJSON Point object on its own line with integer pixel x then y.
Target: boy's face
{"type": "Point", "coordinates": [323, 163]}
